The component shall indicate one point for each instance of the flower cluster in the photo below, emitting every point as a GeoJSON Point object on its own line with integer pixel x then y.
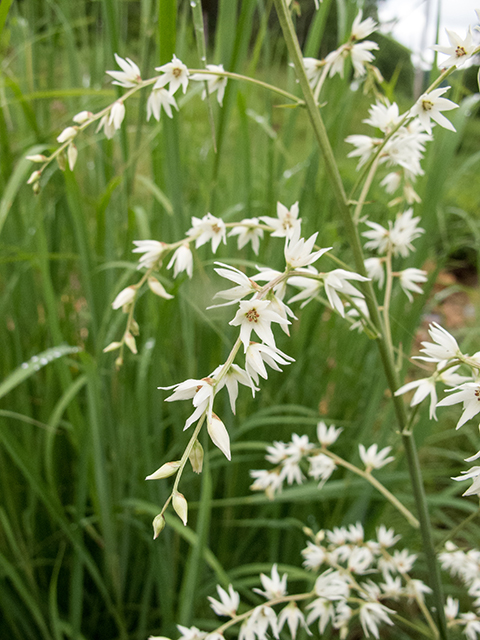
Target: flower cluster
{"type": "Point", "coordinates": [318, 462]}
{"type": "Point", "coordinates": [445, 353]}
{"type": "Point", "coordinates": [343, 597]}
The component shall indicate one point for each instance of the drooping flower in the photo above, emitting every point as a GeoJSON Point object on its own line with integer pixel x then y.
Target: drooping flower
{"type": "Point", "coordinates": [469, 394]}
{"type": "Point", "coordinates": [361, 54]}
{"type": "Point", "coordinates": [274, 586]}
{"type": "Point", "coordinates": [444, 346]}
{"type": "Point", "coordinates": [201, 393]}
{"type": "Point", "coordinates": [286, 220]}
{"type": "Point", "coordinates": [182, 260]}
{"type": "Point", "coordinates": [130, 75]}
{"type": "Point", "coordinates": [337, 281]}
{"type": "Point", "coordinates": [216, 83]}
{"type": "Point", "coordinates": [152, 252]}
{"type": "Point", "coordinates": [474, 475]}
{"type": "Point", "coordinates": [231, 379]}
{"type": "Point", "coordinates": [429, 107]}
{"type": "Point", "coordinates": [159, 98]}
{"type": "Point", "coordinates": [292, 615]}
{"type": "Point", "coordinates": [408, 281]}
{"type": "Point", "coordinates": [207, 228]}
{"type": "Point", "coordinates": [248, 231]}
{"type": "Point", "coordinates": [371, 615]}
{"type": "Point", "coordinates": [321, 468]}
{"type": "Point", "coordinates": [125, 297]}
{"type": "Point", "coordinates": [245, 286]}
{"type": "Point", "coordinates": [229, 602]}
{"type": "Point", "coordinates": [175, 74]}
{"type": "Point", "coordinates": [374, 459]}
{"type": "Point", "coordinates": [257, 355]}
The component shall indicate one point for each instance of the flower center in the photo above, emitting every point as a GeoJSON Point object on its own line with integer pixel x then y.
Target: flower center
{"type": "Point", "coordinates": [427, 105]}
{"type": "Point", "coordinates": [216, 228]}
{"type": "Point", "coordinates": [177, 72]}
{"type": "Point", "coordinates": [477, 393]}
{"type": "Point", "coordinates": [252, 315]}
{"type": "Point", "coordinates": [460, 51]}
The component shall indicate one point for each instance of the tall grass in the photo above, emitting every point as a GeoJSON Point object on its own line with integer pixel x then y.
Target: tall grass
{"type": "Point", "coordinates": [77, 558]}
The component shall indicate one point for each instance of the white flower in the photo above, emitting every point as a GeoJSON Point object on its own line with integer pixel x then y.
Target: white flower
{"type": "Point", "coordinates": [152, 251]}
{"type": "Point", "coordinates": [371, 614]}
{"type": "Point", "coordinates": [191, 633]}
{"type": "Point", "coordinates": [373, 459]}
{"type": "Point", "coordinates": [313, 69]}
{"type": "Point", "coordinates": [321, 468]}
{"type": "Point", "coordinates": [245, 287]}
{"type": "Point", "coordinates": [117, 114]}
{"type": "Point", "coordinates": [160, 98]}
{"type": "Point", "coordinates": [392, 587]}
{"type": "Point", "coordinates": [298, 251]}
{"type": "Point", "coordinates": [129, 77]}
{"type": "Point", "coordinates": [258, 354]}
{"type": "Point", "coordinates": [107, 126]}
{"type": "Point", "coordinates": [469, 394]}
{"type": "Point", "coordinates": [175, 74]}
{"type": "Point", "coordinates": [472, 625]}
{"type": "Point", "coordinates": [206, 229]}
{"type": "Point", "coordinates": [337, 281]}
{"type": "Point", "coordinates": [199, 391]}
{"type": "Point", "coordinates": [365, 146]}
{"type": "Point", "coordinates": [322, 609]}
{"type": "Point", "coordinates": [451, 608]}
{"type": "Point", "coordinates": [397, 238]}
{"type": "Point", "coordinates": [72, 154]}
{"type": "Point", "coordinates": [182, 260]}
{"type": "Point", "coordinates": [125, 297]}
{"type": "Point", "coordinates": [215, 82]}
{"type": "Point", "coordinates": [230, 379]}
{"type": "Point", "coordinates": [474, 475]}
{"type": "Point", "coordinates": [262, 617]}
{"type": "Point", "coordinates": [327, 435]}
{"type": "Point", "coordinates": [360, 560]}
{"type": "Point", "coordinates": [445, 346]}
{"type": "Point", "coordinates": [429, 107]}
{"type": "Point", "coordinates": [332, 585]}
{"type": "Point", "coordinates": [248, 231]}
{"type": "Point", "coordinates": [274, 586]}
{"type": "Point", "coordinates": [459, 50]}
{"type": "Point", "coordinates": [292, 615]}
{"type": "Point", "coordinates": [383, 116]}
{"type": "Point", "coordinates": [229, 602]}
{"type": "Point", "coordinates": [314, 555]}
{"type": "Point", "coordinates": [276, 453]}
{"type": "Point", "coordinates": [256, 315]}
{"type": "Point", "coordinates": [376, 270]}
{"type": "Point", "coordinates": [336, 60]}
{"type": "Point", "coordinates": [362, 53]}
{"type": "Point", "coordinates": [285, 222]}
{"type": "Point", "coordinates": [362, 28]}
{"type": "Point", "coordinates": [268, 481]}
{"type": "Point", "coordinates": [408, 279]}
{"type": "Point", "coordinates": [82, 117]}
{"type": "Point", "coordinates": [401, 561]}
{"type": "Point", "coordinates": [415, 590]}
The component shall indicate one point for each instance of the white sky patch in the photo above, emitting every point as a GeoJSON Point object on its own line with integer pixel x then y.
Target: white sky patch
{"type": "Point", "coordinates": [407, 20]}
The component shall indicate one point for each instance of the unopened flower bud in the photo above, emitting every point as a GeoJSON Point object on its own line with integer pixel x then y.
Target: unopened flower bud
{"type": "Point", "coordinates": [196, 457]}
{"type": "Point", "coordinates": [36, 188]}
{"type": "Point", "coordinates": [165, 471]}
{"type": "Point", "coordinates": [219, 435]}
{"type": "Point", "coordinates": [38, 157]}
{"type": "Point", "coordinates": [67, 134]}
{"type": "Point", "coordinates": [124, 297]}
{"type": "Point", "coordinates": [130, 342]}
{"type": "Point", "coordinates": [82, 117]}
{"type": "Point", "coordinates": [62, 161]}
{"type": "Point", "coordinates": [72, 154]}
{"type": "Point", "coordinates": [112, 346]}
{"type": "Point", "coordinates": [35, 177]}
{"type": "Point", "coordinates": [158, 525]}
{"type": "Point", "coordinates": [158, 289]}
{"type": "Point", "coordinates": [180, 506]}
{"type": "Point", "coordinates": [134, 328]}
{"type": "Point", "coordinates": [117, 114]}
{"type": "Point", "coordinates": [118, 363]}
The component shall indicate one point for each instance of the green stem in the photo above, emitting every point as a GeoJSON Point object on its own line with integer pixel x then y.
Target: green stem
{"type": "Point", "coordinates": [333, 173]}
{"type": "Point", "coordinates": [375, 483]}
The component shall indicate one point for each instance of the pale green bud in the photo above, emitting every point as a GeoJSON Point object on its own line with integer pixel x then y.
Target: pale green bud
{"type": "Point", "coordinates": [158, 289]}
{"type": "Point", "coordinates": [180, 506]}
{"type": "Point", "coordinates": [196, 457]}
{"type": "Point", "coordinates": [158, 525]}
{"type": "Point", "coordinates": [130, 342]}
{"type": "Point", "coordinates": [166, 470]}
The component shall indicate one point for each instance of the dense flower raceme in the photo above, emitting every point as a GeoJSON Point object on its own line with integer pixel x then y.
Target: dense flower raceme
{"type": "Point", "coordinates": [359, 585]}
{"type": "Point", "coordinates": [445, 353]}
{"type": "Point", "coordinates": [293, 459]}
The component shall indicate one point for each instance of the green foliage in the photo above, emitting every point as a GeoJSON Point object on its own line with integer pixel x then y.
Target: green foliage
{"type": "Point", "coordinates": [78, 437]}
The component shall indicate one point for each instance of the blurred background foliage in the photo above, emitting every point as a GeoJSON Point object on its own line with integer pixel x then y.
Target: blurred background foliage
{"type": "Point", "coordinates": [77, 437]}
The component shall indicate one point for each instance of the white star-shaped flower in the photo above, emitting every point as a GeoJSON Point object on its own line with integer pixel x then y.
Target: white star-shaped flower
{"type": "Point", "coordinates": [459, 50]}
{"type": "Point", "coordinates": [182, 260]}
{"type": "Point", "coordinates": [256, 315]}
{"type": "Point", "coordinates": [286, 220]}
{"type": "Point", "coordinates": [248, 231]}
{"type": "Point", "coordinates": [160, 98]}
{"type": "Point", "coordinates": [274, 586]}
{"type": "Point", "coordinates": [298, 251]}
{"type": "Point", "coordinates": [469, 394]}
{"type": "Point", "coordinates": [229, 602]}
{"type": "Point", "coordinates": [374, 459]}
{"type": "Point", "coordinates": [429, 107]}
{"type": "Point", "coordinates": [208, 228]}
{"type": "Point", "coordinates": [216, 83]}
{"type": "Point", "coordinates": [175, 74]}
{"type": "Point", "coordinates": [152, 251]}
{"type": "Point", "coordinates": [129, 76]}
